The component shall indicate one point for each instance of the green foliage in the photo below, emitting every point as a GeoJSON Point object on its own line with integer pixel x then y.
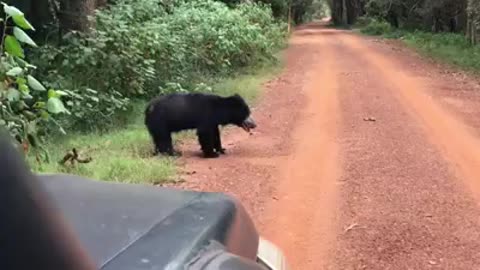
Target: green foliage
{"type": "Point", "coordinates": [318, 10]}
{"type": "Point", "coordinates": [450, 47]}
{"type": "Point", "coordinates": [247, 83]}
{"type": "Point", "coordinates": [301, 10]}
{"type": "Point", "coordinates": [429, 15]}
{"type": "Point", "coordinates": [379, 8]}
{"type": "Point", "coordinates": [279, 7]}
{"type": "Point", "coordinates": [142, 48]}
{"type": "Point", "coordinates": [376, 27]}
{"type": "Point", "coordinates": [122, 155]}
{"type": "Point", "coordinates": [26, 108]}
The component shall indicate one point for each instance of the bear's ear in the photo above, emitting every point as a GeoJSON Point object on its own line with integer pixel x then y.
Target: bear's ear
{"type": "Point", "coordinates": [237, 97]}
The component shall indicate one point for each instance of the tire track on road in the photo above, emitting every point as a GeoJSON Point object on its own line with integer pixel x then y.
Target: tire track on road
{"type": "Point", "coordinates": [301, 222]}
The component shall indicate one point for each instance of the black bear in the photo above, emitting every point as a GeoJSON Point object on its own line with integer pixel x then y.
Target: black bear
{"type": "Point", "coordinates": [203, 112]}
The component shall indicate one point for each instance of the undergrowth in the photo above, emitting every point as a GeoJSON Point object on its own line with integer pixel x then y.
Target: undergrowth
{"type": "Point", "coordinates": [452, 48]}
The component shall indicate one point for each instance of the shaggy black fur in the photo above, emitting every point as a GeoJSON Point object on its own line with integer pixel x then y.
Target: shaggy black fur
{"type": "Point", "coordinates": [203, 112]}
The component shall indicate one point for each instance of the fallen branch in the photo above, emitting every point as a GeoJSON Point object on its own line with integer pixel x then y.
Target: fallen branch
{"type": "Point", "coordinates": [72, 157]}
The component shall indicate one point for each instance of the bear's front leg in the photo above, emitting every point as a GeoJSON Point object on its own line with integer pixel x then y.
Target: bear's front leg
{"type": "Point", "coordinates": [218, 142]}
{"type": "Point", "coordinates": [206, 138]}
{"type": "Point", "coordinates": [163, 145]}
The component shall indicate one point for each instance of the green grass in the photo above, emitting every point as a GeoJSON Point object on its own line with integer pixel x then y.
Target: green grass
{"type": "Point", "coordinates": [448, 47]}
{"type": "Point", "coordinates": [452, 48]}
{"type": "Point", "coordinates": [124, 154]}
{"type": "Point", "coordinates": [247, 83]}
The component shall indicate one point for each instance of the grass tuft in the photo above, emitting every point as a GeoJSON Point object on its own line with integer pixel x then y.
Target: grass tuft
{"type": "Point", "coordinates": [122, 155]}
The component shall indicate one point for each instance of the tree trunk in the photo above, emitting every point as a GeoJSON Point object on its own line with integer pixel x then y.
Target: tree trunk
{"type": "Point", "coordinates": [101, 3]}
{"type": "Point", "coordinates": [344, 12]}
{"type": "Point", "coordinates": [352, 11]}
{"type": "Point", "coordinates": [473, 21]}
{"type": "Point", "coordinates": [289, 15]}
{"type": "Point", "coordinates": [452, 24]}
{"type": "Point", "coordinates": [74, 14]}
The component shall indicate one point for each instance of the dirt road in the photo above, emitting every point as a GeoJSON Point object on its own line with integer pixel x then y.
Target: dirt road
{"type": "Point", "coordinates": [366, 157]}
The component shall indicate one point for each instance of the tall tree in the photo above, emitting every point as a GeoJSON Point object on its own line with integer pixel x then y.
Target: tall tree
{"type": "Point", "coordinates": [346, 12]}
{"type": "Point", "coordinates": [429, 15]}
{"type": "Point", "coordinates": [473, 23]}
{"type": "Point", "coordinates": [74, 14]}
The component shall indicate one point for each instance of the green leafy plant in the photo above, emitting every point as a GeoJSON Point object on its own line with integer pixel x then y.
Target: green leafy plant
{"type": "Point", "coordinates": [25, 104]}
{"type": "Point", "coordinates": [377, 27]}
{"type": "Point", "coordinates": [139, 49]}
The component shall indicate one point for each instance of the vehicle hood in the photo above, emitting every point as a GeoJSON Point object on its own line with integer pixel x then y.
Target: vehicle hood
{"type": "Point", "coordinates": [127, 226]}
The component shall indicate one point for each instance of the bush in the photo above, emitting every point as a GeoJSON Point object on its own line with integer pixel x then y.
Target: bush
{"type": "Point", "coordinates": [376, 27]}
{"type": "Point", "coordinates": [141, 48]}
{"type": "Point", "coordinates": [26, 107]}
{"type": "Point", "coordinates": [363, 21]}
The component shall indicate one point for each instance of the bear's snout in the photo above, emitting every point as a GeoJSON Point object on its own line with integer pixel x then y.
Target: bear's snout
{"type": "Point", "coordinates": [249, 124]}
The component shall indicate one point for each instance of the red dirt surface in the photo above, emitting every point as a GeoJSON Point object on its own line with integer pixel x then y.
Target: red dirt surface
{"type": "Point", "coordinates": [366, 156]}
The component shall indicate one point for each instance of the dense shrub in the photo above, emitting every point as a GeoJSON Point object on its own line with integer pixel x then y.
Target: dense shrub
{"type": "Point", "coordinates": [141, 48]}
{"type": "Point", "coordinates": [376, 27]}
{"type": "Point", "coordinates": [26, 107]}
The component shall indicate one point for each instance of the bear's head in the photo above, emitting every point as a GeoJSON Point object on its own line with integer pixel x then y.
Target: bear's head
{"type": "Point", "coordinates": [240, 113]}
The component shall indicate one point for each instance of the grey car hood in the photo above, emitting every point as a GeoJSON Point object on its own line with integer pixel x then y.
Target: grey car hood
{"type": "Point", "coordinates": [134, 227]}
